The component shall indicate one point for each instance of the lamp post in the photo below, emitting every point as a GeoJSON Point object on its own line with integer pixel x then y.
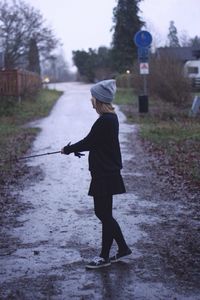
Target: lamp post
{"type": "Point", "coordinates": [128, 72]}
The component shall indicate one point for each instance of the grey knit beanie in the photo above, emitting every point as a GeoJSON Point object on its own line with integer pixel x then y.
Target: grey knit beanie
{"type": "Point", "coordinates": [104, 91]}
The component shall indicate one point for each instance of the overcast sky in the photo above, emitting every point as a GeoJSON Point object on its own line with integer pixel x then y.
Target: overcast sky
{"type": "Point", "coordinates": [81, 24]}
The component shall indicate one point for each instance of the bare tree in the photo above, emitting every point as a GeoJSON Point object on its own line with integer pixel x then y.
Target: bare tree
{"type": "Point", "coordinates": [157, 38]}
{"type": "Point", "coordinates": [19, 24]}
{"type": "Point", "coordinates": [184, 39]}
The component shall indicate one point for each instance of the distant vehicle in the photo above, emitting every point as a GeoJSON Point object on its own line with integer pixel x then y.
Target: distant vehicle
{"type": "Point", "coordinates": [192, 71]}
{"type": "Point", "coordinates": [192, 68]}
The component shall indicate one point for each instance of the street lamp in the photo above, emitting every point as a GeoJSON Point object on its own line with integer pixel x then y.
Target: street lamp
{"type": "Point", "coordinates": [128, 72]}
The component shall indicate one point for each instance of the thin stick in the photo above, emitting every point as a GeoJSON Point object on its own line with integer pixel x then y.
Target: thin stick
{"type": "Point", "coordinates": [37, 155]}
{"type": "Point", "coordinates": [31, 156]}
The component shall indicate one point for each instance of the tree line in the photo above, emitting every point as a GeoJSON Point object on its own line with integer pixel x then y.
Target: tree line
{"type": "Point", "coordinates": [97, 64]}
{"type": "Point", "coordinates": [105, 62]}
{"type": "Point", "coordinates": [27, 42]}
{"type": "Point", "coordinates": [174, 41]}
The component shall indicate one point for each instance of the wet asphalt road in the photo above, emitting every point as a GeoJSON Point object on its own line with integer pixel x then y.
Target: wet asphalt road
{"type": "Point", "coordinates": [60, 233]}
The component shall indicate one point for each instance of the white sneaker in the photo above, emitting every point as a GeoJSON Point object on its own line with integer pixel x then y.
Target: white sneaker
{"type": "Point", "coordinates": [98, 262]}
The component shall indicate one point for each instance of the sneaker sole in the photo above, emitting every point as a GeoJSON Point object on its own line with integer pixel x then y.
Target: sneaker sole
{"type": "Point", "coordinates": [98, 267]}
{"type": "Point", "coordinates": [118, 259]}
{"type": "Point", "coordinates": [115, 261]}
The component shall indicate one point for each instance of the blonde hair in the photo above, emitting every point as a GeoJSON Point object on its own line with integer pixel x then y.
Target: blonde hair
{"type": "Point", "coordinates": [102, 107]}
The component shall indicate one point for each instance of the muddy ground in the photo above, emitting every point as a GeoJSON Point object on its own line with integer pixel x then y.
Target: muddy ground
{"type": "Point", "coordinates": [159, 216]}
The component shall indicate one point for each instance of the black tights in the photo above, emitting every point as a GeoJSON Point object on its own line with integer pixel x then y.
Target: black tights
{"type": "Point", "coordinates": [110, 228]}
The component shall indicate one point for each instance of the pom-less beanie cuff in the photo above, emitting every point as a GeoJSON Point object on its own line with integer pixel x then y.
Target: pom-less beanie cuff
{"type": "Point", "coordinates": [104, 91]}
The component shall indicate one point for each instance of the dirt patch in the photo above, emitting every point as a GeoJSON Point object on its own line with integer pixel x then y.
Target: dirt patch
{"type": "Point", "coordinates": [171, 249]}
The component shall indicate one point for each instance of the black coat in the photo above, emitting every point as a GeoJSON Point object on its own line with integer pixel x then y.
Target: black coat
{"type": "Point", "coordinates": [105, 161]}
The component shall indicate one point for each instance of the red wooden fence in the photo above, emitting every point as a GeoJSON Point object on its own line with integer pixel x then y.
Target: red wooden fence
{"type": "Point", "coordinates": [18, 82]}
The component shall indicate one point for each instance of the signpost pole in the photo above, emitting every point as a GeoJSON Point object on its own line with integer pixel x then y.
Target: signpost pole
{"type": "Point", "coordinates": [145, 84]}
{"type": "Point", "coordinates": [143, 40]}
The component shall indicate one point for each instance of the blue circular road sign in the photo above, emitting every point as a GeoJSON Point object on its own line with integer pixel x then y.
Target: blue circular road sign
{"type": "Point", "coordinates": [143, 38]}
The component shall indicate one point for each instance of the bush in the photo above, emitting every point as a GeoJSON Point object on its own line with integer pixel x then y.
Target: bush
{"type": "Point", "coordinates": [125, 81]}
{"type": "Point", "coordinates": [166, 81]}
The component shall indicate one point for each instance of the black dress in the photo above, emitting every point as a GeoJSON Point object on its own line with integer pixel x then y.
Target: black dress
{"type": "Point", "coordinates": [111, 184]}
{"type": "Point", "coordinates": [105, 161]}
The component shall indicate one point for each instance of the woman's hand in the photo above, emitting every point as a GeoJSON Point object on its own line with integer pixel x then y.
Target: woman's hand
{"type": "Point", "coordinates": [65, 150]}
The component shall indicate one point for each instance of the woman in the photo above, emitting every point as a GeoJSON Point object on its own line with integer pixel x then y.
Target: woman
{"type": "Point", "coordinates": [104, 164]}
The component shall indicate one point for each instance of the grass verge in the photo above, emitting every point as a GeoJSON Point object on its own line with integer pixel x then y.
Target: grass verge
{"type": "Point", "coordinates": [15, 138]}
{"type": "Point", "coordinates": [168, 131]}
